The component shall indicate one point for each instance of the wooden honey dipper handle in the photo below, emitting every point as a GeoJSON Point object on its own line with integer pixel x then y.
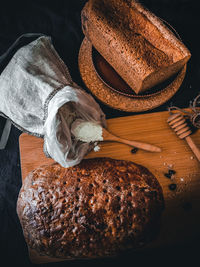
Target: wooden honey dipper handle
{"type": "Point", "coordinates": [178, 123]}
{"type": "Point", "coordinates": [193, 147]}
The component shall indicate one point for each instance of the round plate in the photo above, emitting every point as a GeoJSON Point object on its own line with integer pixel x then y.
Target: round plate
{"type": "Point", "coordinates": [105, 84]}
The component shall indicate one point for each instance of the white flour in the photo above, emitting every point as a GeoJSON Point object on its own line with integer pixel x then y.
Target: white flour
{"type": "Point", "coordinates": [86, 131]}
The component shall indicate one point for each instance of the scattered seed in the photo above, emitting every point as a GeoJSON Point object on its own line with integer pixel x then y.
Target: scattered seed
{"type": "Point", "coordinates": [169, 174]}
{"type": "Point", "coordinates": [172, 187]}
{"type": "Point", "coordinates": [134, 150]}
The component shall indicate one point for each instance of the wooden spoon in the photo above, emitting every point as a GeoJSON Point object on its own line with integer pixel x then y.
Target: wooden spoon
{"type": "Point", "coordinates": [107, 136]}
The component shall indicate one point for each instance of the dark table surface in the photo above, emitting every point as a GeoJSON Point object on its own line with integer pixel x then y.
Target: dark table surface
{"type": "Point", "coordinates": [61, 20]}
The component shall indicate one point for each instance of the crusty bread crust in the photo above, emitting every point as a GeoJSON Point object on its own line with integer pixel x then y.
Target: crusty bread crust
{"type": "Point", "coordinates": [134, 41]}
{"type": "Point", "coordinates": [96, 209]}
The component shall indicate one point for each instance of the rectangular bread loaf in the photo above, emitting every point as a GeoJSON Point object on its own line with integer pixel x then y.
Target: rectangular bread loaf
{"type": "Point", "coordinates": [136, 43]}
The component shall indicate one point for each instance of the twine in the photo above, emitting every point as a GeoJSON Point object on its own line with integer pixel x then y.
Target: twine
{"type": "Point", "coordinates": [193, 114]}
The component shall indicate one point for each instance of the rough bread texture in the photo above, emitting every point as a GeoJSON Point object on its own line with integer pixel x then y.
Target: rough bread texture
{"type": "Point", "coordinates": [96, 209]}
{"type": "Point", "coordinates": [142, 50]}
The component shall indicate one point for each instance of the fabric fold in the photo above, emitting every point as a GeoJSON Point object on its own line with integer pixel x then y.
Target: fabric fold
{"type": "Point", "coordinates": [38, 95]}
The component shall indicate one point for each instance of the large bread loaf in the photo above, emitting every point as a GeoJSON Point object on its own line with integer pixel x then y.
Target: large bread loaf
{"type": "Point", "coordinates": [142, 50]}
{"type": "Point", "coordinates": [96, 209]}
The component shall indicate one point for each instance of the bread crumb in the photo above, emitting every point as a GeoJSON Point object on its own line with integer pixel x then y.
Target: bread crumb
{"type": "Point", "coordinates": [96, 148]}
{"type": "Point", "coordinates": [170, 165]}
{"type": "Point", "coordinates": [182, 179]}
{"type": "Point", "coordinates": [191, 157]}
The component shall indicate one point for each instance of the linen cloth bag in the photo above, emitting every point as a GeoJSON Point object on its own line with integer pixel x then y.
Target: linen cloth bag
{"type": "Point", "coordinates": [39, 97]}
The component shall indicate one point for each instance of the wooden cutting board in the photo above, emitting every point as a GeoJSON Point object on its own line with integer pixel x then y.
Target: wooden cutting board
{"type": "Point", "coordinates": [181, 218]}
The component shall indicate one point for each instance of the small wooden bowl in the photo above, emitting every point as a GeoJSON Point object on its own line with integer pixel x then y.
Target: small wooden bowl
{"type": "Point", "coordinates": [106, 85]}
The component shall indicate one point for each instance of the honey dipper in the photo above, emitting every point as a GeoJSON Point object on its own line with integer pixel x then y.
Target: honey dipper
{"type": "Point", "coordinates": [178, 123]}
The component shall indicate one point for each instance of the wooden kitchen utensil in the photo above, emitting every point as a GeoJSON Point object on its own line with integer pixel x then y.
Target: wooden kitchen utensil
{"type": "Point", "coordinates": [178, 123]}
{"type": "Point", "coordinates": [107, 136]}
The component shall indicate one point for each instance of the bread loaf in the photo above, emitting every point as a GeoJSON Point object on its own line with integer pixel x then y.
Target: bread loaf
{"type": "Point", "coordinates": [141, 49]}
{"type": "Point", "coordinates": [96, 209]}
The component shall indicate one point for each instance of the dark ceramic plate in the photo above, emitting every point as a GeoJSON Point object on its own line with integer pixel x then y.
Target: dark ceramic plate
{"type": "Point", "coordinates": [111, 78]}
{"type": "Point", "coordinates": [107, 86]}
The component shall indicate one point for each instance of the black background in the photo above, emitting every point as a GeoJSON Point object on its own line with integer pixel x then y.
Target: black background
{"type": "Point", "coordinates": [61, 20]}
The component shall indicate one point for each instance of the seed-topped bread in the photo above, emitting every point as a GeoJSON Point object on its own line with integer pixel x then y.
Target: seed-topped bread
{"type": "Point", "coordinates": [96, 209]}
{"type": "Point", "coordinates": [141, 49]}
